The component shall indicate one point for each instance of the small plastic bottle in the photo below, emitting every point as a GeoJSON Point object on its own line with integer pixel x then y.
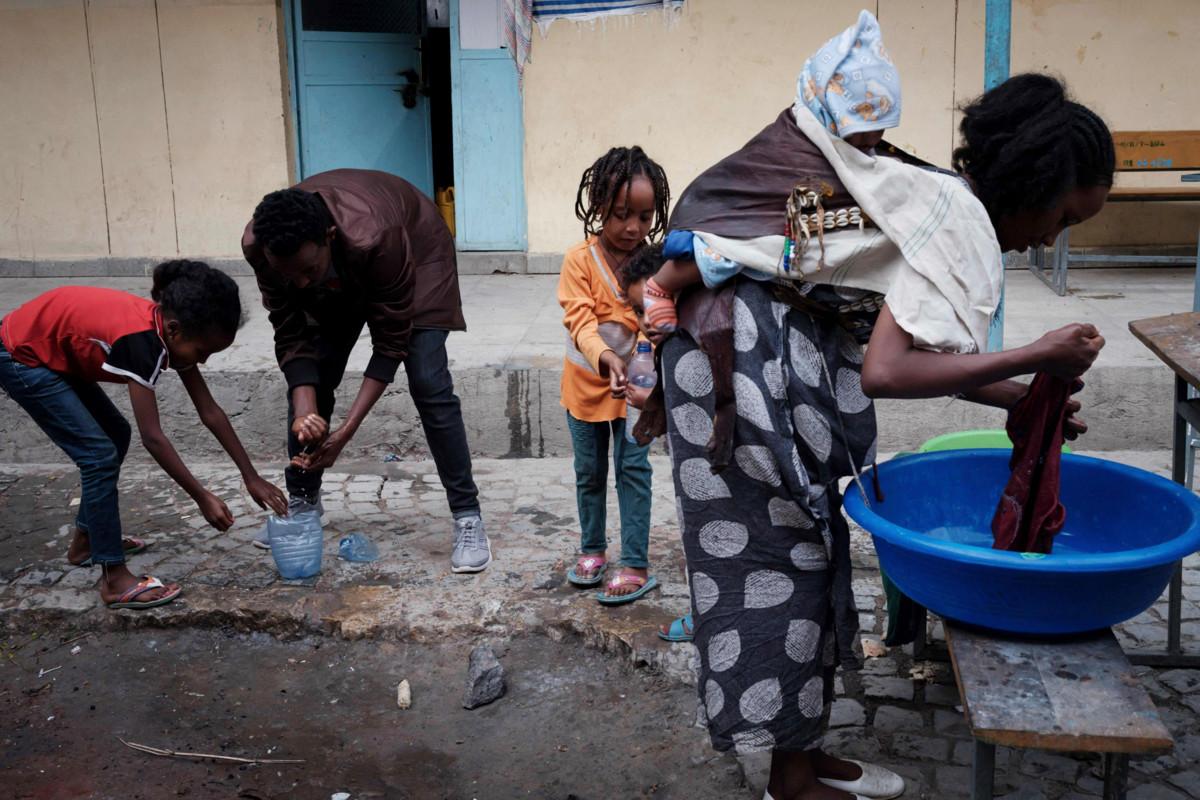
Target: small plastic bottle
{"type": "Point", "coordinates": [641, 374]}
{"type": "Point", "coordinates": [357, 547]}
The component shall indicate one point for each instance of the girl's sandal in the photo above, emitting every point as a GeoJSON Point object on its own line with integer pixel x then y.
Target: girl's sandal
{"type": "Point", "coordinates": [588, 570]}
{"type": "Point", "coordinates": [625, 579]}
{"type": "Point", "coordinates": [129, 598]}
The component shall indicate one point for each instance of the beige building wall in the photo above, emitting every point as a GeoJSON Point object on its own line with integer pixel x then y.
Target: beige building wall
{"type": "Point", "coordinates": [51, 184]}
{"type": "Point", "coordinates": [1138, 66]}
{"type": "Point", "coordinates": [693, 90]}
{"type": "Point", "coordinates": [136, 128]}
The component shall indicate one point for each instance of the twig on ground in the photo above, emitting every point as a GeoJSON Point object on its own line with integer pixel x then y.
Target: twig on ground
{"type": "Point", "coordinates": [72, 641]}
{"type": "Point", "coordinates": [44, 672]}
{"type": "Point", "coordinates": [158, 751]}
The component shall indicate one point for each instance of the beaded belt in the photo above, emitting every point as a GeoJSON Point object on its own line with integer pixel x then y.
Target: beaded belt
{"type": "Point", "coordinates": [806, 217]}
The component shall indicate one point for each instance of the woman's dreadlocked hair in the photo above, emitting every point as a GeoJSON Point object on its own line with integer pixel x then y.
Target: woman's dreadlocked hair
{"type": "Point", "coordinates": [602, 181]}
{"type": "Point", "coordinates": [1026, 144]}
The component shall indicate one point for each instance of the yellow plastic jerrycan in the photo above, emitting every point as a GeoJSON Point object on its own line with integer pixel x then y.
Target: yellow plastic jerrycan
{"type": "Point", "coordinates": [445, 204]}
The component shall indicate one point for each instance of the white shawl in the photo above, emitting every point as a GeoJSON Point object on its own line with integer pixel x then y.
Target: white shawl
{"type": "Point", "coordinates": [934, 256]}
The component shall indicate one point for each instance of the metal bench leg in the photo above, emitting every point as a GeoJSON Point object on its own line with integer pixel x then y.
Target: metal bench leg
{"type": "Point", "coordinates": [1043, 267]}
{"type": "Point", "coordinates": [983, 771]}
{"type": "Point", "coordinates": [1193, 442]}
{"type": "Point", "coordinates": [1175, 612]}
{"type": "Point", "coordinates": [1116, 774]}
{"type": "Point", "coordinates": [1196, 279]}
{"type": "Point", "coordinates": [1062, 253]}
{"type": "Point", "coordinates": [1193, 436]}
{"type": "Point", "coordinates": [1037, 262]}
{"type": "Point", "coordinates": [1183, 462]}
{"type": "Point", "coordinates": [922, 641]}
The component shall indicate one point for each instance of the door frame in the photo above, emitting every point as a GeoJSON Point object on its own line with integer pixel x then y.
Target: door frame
{"type": "Point", "coordinates": [290, 13]}
{"type": "Point", "coordinates": [457, 56]}
{"type": "Point", "coordinates": [292, 29]}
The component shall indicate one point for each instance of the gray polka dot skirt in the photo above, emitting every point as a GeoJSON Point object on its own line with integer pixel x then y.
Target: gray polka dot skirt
{"type": "Point", "coordinates": [767, 547]}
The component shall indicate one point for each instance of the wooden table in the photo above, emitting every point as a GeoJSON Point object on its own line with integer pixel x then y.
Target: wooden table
{"type": "Point", "coordinates": [1175, 339]}
{"type": "Point", "coordinates": [1078, 695]}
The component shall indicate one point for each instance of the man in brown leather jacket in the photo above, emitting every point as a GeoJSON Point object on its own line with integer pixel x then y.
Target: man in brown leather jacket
{"type": "Point", "coordinates": [351, 247]}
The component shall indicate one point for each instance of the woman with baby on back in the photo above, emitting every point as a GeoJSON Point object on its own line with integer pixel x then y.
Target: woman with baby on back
{"type": "Point", "coordinates": [811, 247]}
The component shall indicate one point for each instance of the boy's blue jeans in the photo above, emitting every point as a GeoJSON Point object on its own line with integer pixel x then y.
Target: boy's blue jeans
{"type": "Point", "coordinates": [632, 465]}
{"type": "Point", "coordinates": [81, 420]}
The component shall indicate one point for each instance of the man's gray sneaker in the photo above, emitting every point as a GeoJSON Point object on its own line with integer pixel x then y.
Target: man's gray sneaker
{"type": "Point", "coordinates": [296, 505]}
{"type": "Point", "coordinates": [472, 550]}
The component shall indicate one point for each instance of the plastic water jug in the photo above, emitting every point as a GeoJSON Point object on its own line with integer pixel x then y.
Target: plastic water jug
{"type": "Point", "coordinates": [296, 543]}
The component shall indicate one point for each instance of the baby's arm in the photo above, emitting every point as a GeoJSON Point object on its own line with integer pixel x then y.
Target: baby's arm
{"type": "Point", "coordinates": [676, 275]}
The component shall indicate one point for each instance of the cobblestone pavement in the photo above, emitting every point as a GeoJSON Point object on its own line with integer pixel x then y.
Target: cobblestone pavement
{"type": "Point", "coordinates": [883, 714]}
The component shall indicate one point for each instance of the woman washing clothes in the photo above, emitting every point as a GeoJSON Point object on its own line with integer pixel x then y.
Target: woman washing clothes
{"type": "Point", "coordinates": [768, 394]}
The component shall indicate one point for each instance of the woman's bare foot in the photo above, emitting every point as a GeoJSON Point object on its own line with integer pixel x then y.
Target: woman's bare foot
{"type": "Point", "coordinates": [626, 588]}
{"type": "Point", "coordinates": [836, 769]}
{"type": "Point", "coordinates": [793, 777]}
{"type": "Point", "coordinates": [118, 579]}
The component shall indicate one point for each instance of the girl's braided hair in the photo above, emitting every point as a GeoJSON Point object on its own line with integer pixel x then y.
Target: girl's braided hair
{"type": "Point", "coordinates": [1025, 144]}
{"type": "Point", "coordinates": [602, 181]}
{"type": "Point", "coordinates": [203, 299]}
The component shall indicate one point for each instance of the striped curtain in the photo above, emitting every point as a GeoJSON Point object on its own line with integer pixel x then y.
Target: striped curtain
{"type": "Point", "coordinates": [546, 11]}
{"type": "Point", "coordinates": [518, 33]}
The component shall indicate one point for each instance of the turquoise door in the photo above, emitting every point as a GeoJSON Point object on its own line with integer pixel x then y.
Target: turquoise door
{"type": "Point", "coordinates": [358, 77]}
{"type": "Point", "coordinates": [489, 143]}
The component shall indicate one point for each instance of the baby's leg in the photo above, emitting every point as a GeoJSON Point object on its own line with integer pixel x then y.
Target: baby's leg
{"type": "Point", "coordinates": [659, 297]}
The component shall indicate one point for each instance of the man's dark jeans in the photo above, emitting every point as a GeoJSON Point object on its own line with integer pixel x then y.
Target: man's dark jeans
{"type": "Point", "coordinates": [432, 389]}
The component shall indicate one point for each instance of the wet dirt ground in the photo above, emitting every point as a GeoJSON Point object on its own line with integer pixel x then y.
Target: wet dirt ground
{"type": "Point", "coordinates": [573, 721]}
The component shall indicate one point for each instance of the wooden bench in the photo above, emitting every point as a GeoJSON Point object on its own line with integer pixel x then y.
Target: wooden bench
{"type": "Point", "coordinates": [1075, 696]}
{"type": "Point", "coordinates": [1136, 151]}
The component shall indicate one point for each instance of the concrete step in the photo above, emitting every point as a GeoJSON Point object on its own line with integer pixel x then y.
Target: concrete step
{"type": "Point", "coordinates": [507, 370]}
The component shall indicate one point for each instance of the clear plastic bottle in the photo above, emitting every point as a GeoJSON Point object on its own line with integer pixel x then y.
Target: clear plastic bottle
{"type": "Point", "coordinates": [641, 374]}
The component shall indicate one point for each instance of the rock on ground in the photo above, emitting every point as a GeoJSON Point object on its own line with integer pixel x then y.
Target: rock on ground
{"type": "Point", "coordinates": [485, 678]}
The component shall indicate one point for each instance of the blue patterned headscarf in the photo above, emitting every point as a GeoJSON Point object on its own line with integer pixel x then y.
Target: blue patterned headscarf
{"type": "Point", "coordinates": [850, 84]}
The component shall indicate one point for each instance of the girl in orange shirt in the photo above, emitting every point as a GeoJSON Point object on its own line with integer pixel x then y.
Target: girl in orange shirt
{"type": "Point", "coordinates": [622, 202]}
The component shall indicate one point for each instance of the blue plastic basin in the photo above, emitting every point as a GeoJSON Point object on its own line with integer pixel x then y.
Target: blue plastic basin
{"type": "Point", "coordinates": [1125, 530]}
